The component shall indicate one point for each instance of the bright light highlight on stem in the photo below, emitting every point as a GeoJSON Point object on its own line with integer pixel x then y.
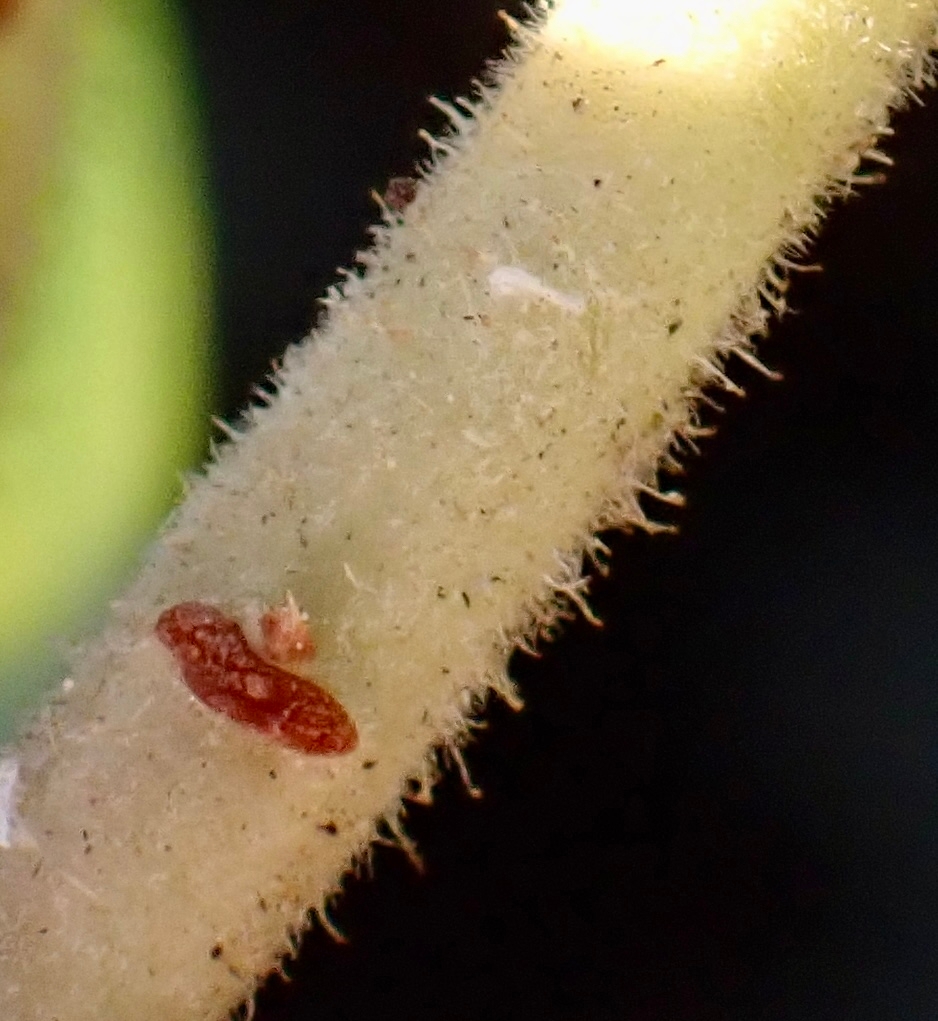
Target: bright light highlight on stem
{"type": "Point", "coordinates": [693, 34]}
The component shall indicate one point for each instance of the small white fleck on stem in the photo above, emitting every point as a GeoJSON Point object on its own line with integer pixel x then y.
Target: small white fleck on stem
{"type": "Point", "coordinates": [513, 281]}
{"type": "Point", "coordinates": [9, 774]}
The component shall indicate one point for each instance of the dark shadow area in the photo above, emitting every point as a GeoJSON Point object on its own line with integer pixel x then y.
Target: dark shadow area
{"type": "Point", "coordinates": [723, 803]}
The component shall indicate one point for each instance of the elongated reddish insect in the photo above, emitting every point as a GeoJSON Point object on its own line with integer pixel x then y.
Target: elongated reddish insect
{"type": "Point", "coordinates": [223, 671]}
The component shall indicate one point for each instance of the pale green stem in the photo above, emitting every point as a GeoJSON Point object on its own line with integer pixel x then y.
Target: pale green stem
{"type": "Point", "coordinates": [501, 383]}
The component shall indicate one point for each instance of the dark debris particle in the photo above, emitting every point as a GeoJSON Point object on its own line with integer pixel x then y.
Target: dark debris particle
{"type": "Point", "coordinates": [329, 827]}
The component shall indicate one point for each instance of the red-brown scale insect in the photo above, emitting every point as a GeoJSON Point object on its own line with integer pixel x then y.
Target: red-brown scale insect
{"type": "Point", "coordinates": [223, 671]}
{"type": "Point", "coordinates": [400, 192]}
{"type": "Point", "coordinates": [285, 631]}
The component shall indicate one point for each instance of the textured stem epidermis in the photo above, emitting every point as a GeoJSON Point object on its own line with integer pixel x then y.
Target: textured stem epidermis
{"type": "Point", "coordinates": [499, 379]}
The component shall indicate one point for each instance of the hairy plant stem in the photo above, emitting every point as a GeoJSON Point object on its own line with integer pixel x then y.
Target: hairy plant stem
{"type": "Point", "coordinates": [500, 381]}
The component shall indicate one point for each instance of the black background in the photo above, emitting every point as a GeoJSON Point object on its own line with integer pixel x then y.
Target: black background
{"type": "Point", "coordinates": [723, 803]}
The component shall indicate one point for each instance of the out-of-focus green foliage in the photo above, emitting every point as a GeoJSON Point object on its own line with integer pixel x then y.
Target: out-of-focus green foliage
{"type": "Point", "coordinates": [106, 315]}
